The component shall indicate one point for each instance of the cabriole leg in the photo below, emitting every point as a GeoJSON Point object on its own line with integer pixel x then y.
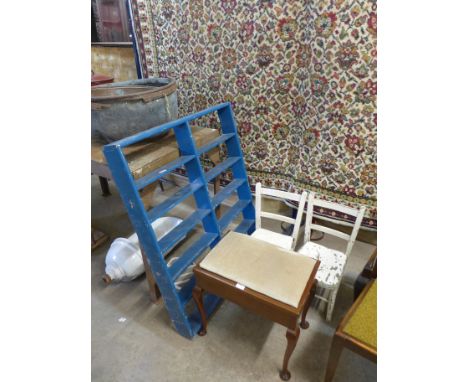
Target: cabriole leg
{"type": "Point", "coordinates": [304, 324]}
{"type": "Point", "coordinates": [292, 336]}
{"type": "Point", "coordinates": [197, 294]}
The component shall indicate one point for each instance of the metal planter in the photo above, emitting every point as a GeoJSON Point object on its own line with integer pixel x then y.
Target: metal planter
{"type": "Point", "coordinates": [121, 109]}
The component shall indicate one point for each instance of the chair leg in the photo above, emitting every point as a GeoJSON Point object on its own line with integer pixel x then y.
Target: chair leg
{"type": "Point", "coordinates": [333, 358]}
{"type": "Point", "coordinates": [197, 294]}
{"type": "Point", "coordinates": [331, 303]}
{"type": "Point", "coordinates": [292, 336]}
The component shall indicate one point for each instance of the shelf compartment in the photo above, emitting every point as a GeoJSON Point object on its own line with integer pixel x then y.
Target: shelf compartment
{"type": "Point", "coordinates": [229, 216]}
{"type": "Point", "coordinates": [178, 233]}
{"type": "Point", "coordinates": [223, 166]}
{"type": "Point", "coordinates": [161, 209]}
{"type": "Point", "coordinates": [162, 171]}
{"type": "Point", "coordinates": [214, 143]}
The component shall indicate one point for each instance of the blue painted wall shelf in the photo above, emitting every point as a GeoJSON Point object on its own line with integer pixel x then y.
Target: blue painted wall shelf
{"type": "Point", "coordinates": [176, 300]}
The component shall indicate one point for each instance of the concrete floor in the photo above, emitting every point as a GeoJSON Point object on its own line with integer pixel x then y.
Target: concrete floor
{"type": "Point", "coordinates": [132, 339]}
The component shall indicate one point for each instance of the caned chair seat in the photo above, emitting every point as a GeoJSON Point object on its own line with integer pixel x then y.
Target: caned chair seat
{"type": "Point", "coordinates": [332, 263]}
{"type": "Point", "coordinates": [283, 241]}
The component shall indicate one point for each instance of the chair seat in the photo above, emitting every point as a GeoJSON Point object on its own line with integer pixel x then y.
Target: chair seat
{"type": "Point", "coordinates": [283, 241]}
{"type": "Point", "coordinates": [362, 323]}
{"type": "Point", "coordinates": [332, 263]}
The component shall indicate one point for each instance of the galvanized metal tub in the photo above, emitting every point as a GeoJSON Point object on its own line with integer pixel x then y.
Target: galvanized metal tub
{"type": "Point", "coordinates": [125, 108]}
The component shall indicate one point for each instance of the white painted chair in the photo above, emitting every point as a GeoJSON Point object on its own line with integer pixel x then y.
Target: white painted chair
{"type": "Point", "coordinates": [281, 240]}
{"type": "Point", "coordinates": [332, 262]}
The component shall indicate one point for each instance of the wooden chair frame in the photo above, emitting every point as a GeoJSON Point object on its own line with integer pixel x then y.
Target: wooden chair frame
{"type": "Point", "coordinates": [310, 225]}
{"type": "Point", "coordinates": [278, 194]}
{"type": "Point", "coordinates": [358, 214]}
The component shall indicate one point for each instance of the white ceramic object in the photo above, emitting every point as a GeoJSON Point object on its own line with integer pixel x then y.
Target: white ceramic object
{"type": "Point", "coordinates": [184, 277]}
{"type": "Point", "coordinates": [124, 261]}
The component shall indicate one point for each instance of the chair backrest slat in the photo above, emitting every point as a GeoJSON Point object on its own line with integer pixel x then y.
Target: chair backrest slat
{"type": "Point", "coordinates": [330, 231]}
{"type": "Point", "coordinates": [336, 207]}
{"type": "Point", "coordinates": [358, 213]}
{"type": "Point", "coordinates": [259, 191]}
{"type": "Point", "coordinates": [281, 194]}
{"type": "Point", "coordinates": [282, 218]}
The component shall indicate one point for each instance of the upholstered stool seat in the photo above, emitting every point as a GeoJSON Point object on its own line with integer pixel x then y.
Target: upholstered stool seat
{"type": "Point", "coordinates": [283, 241]}
{"type": "Point", "coordinates": [261, 266]}
{"type": "Point", "coordinates": [332, 263]}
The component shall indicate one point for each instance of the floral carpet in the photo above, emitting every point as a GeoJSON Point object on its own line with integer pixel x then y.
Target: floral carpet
{"type": "Point", "coordinates": [301, 76]}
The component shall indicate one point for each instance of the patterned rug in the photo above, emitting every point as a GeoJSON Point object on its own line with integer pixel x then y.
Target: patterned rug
{"type": "Point", "coordinates": [301, 76]}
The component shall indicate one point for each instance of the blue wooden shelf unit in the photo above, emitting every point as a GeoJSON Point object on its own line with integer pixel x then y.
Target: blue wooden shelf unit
{"type": "Point", "coordinates": [213, 228]}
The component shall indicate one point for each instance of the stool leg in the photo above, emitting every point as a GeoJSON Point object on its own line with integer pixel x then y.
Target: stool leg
{"type": "Point", "coordinates": [197, 294]}
{"type": "Point", "coordinates": [292, 336]}
{"type": "Point", "coordinates": [335, 353]}
{"type": "Point", "coordinates": [104, 186]}
{"type": "Point", "coordinates": [304, 324]}
{"type": "Point", "coordinates": [154, 291]}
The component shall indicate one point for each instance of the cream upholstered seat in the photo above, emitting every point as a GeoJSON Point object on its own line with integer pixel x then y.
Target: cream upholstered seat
{"type": "Point", "coordinates": [281, 240]}
{"type": "Point", "coordinates": [263, 267]}
{"type": "Point", "coordinates": [332, 262]}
